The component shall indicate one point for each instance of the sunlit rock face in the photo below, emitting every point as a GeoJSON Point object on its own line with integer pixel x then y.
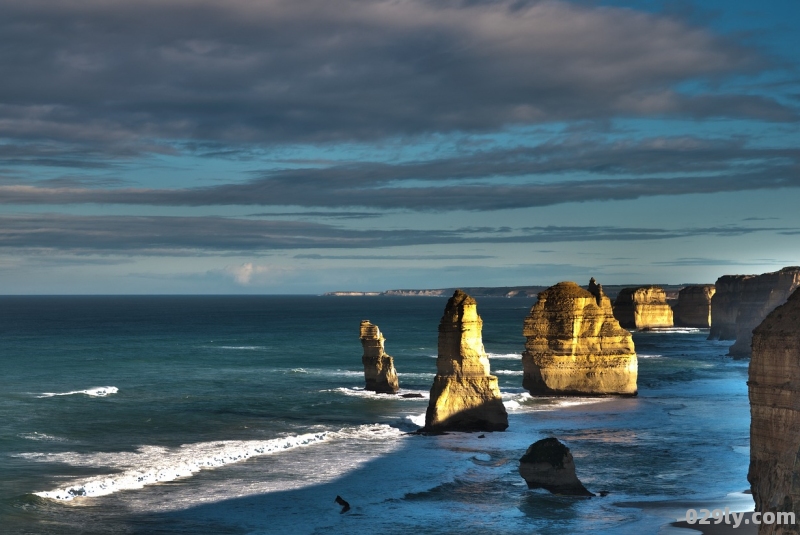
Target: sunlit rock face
{"type": "Point", "coordinates": [548, 464]}
{"type": "Point", "coordinates": [575, 345]}
{"type": "Point", "coordinates": [774, 390]}
{"type": "Point", "coordinates": [694, 306]}
{"type": "Point", "coordinates": [644, 307]}
{"type": "Point", "coordinates": [464, 396]}
{"type": "Point", "coordinates": [743, 301]}
{"type": "Point", "coordinates": [379, 371]}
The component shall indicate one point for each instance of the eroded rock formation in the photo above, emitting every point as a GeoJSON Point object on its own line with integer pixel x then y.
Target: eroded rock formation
{"type": "Point", "coordinates": [548, 464]}
{"type": "Point", "coordinates": [774, 390]}
{"type": "Point", "coordinates": [743, 301]}
{"type": "Point", "coordinates": [576, 346]}
{"type": "Point", "coordinates": [694, 306]}
{"type": "Point", "coordinates": [644, 307]}
{"type": "Point", "coordinates": [379, 371]}
{"type": "Point", "coordinates": [464, 397]}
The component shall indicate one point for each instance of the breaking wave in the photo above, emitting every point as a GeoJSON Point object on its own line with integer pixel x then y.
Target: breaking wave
{"type": "Point", "coordinates": [97, 392]}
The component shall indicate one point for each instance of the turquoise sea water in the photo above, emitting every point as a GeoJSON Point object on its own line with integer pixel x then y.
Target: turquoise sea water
{"type": "Point", "coordinates": [247, 415]}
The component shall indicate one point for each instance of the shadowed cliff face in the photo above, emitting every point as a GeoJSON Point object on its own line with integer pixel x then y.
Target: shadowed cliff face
{"type": "Point", "coordinates": [694, 306]}
{"type": "Point", "coordinates": [379, 371]}
{"type": "Point", "coordinates": [576, 346]}
{"type": "Point", "coordinates": [743, 301]}
{"type": "Point", "coordinates": [464, 397]}
{"type": "Point", "coordinates": [774, 390]}
{"type": "Point", "coordinates": [643, 308]}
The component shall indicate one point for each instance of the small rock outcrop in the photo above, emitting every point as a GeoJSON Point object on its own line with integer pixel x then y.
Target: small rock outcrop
{"type": "Point", "coordinates": [548, 464]}
{"type": "Point", "coordinates": [464, 397]}
{"type": "Point", "coordinates": [575, 346]}
{"type": "Point", "coordinates": [644, 307]}
{"type": "Point", "coordinates": [743, 301]}
{"type": "Point", "coordinates": [774, 390]}
{"type": "Point", "coordinates": [379, 371]}
{"type": "Point", "coordinates": [694, 306]}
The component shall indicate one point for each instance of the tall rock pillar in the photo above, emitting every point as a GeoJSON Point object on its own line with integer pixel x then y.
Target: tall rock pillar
{"type": "Point", "coordinates": [379, 371]}
{"type": "Point", "coordinates": [464, 397]}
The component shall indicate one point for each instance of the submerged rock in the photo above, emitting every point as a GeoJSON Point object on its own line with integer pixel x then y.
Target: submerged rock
{"type": "Point", "coordinates": [576, 346]}
{"type": "Point", "coordinates": [379, 371]}
{"type": "Point", "coordinates": [644, 307]}
{"type": "Point", "coordinates": [464, 396]}
{"type": "Point", "coordinates": [774, 390]}
{"type": "Point", "coordinates": [548, 464]}
{"type": "Point", "coordinates": [694, 306]}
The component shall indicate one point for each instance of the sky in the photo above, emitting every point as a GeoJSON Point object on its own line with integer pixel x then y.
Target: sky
{"type": "Point", "coordinates": [306, 146]}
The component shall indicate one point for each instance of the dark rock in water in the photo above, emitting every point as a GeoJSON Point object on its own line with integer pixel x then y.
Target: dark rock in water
{"type": "Point", "coordinates": [411, 395]}
{"type": "Point", "coordinates": [481, 436]}
{"type": "Point", "coordinates": [379, 371]}
{"type": "Point", "coordinates": [343, 503]}
{"type": "Point", "coordinates": [548, 465]}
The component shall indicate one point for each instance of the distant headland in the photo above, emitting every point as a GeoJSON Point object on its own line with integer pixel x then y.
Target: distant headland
{"type": "Point", "coordinates": [611, 291]}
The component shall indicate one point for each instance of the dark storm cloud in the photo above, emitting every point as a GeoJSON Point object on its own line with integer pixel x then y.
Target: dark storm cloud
{"type": "Point", "coordinates": [488, 180]}
{"type": "Point", "coordinates": [170, 235]}
{"type": "Point", "coordinates": [123, 74]}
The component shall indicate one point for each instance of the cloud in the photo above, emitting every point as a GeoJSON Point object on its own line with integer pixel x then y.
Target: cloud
{"type": "Point", "coordinates": [493, 179]}
{"type": "Point", "coordinates": [722, 262]}
{"type": "Point", "coordinates": [283, 71]}
{"type": "Point", "coordinates": [314, 256]}
{"type": "Point", "coordinates": [244, 273]}
{"type": "Point", "coordinates": [162, 235]}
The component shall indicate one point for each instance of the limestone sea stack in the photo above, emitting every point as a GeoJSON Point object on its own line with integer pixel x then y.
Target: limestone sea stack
{"type": "Point", "coordinates": [644, 307]}
{"type": "Point", "coordinates": [379, 371]}
{"type": "Point", "coordinates": [694, 306]}
{"type": "Point", "coordinates": [774, 390]}
{"type": "Point", "coordinates": [464, 397]}
{"type": "Point", "coordinates": [548, 464]}
{"type": "Point", "coordinates": [575, 345]}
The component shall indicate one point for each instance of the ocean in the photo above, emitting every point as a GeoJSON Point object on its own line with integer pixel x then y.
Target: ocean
{"type": "Point", "coordinates": [247, 415]}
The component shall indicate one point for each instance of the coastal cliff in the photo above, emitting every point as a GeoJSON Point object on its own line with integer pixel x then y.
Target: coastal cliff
{"type": "Point", "coordinates": [644, 307]}
{"type": "Point", "coordinates": [743, 301]}
{"type": "Point", "coordinates": [464, 396]}
{"type": "Point", "coordinates": [774, 391]}
{"type": "Point", "coordinates": [760, 296]}
{"type": "Point", "coordinates": [379, 371]}
{"type": "Point", "coordinates": [725, 306]}
{"type": "Point", "coordinates": [575, 345]}
{"type": "Point", "coordinates": [694, 306]}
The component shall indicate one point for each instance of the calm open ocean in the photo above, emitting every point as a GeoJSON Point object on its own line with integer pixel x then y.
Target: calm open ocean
{"type": "Point", "coordinates": [217, 414]}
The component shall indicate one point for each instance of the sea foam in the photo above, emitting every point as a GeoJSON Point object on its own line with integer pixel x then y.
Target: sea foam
{"type": "Point", "coordinates": [96, 392]}
{"type": "Point", "coordinates": [156, 464]}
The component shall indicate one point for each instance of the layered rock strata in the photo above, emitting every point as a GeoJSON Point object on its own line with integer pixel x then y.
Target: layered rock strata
{"type": "Point", "coordinates": [548, 464]}
{"type": "Point", "coordinates": [575, 346]}
{"type": "Point", "coordinates": [774, 390]}
{"type": "Point", "coordinates": [379, 371]}
{"type": "Point", "coordinates": [644, 307]}
{"type": "Point", "coordinates": [464, 396]}
{"type": "Point", "coordinates": [694, 306]}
